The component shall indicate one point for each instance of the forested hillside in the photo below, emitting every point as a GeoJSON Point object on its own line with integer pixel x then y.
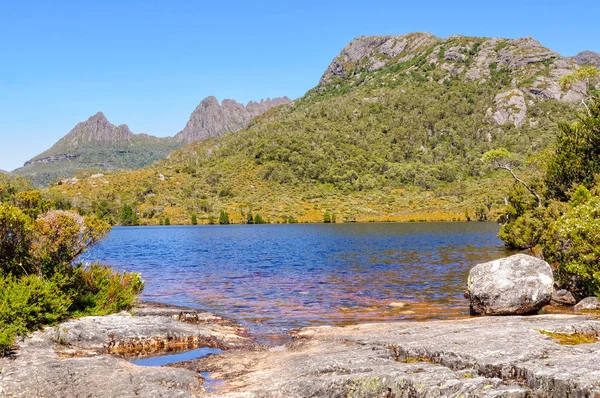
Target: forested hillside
{"type": "Point", "coordinates": [395, 130]}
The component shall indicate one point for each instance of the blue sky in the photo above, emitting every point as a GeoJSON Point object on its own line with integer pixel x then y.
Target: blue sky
{"type": "Point", "coordinates": [149, 63]}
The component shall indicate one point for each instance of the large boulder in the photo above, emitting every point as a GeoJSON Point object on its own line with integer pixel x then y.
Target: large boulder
{"type": "Point", "coordinates": [515, 285]}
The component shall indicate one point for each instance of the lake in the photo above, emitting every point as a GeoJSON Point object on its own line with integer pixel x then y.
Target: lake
{"type": "Point", "coordinates": [273, 278]}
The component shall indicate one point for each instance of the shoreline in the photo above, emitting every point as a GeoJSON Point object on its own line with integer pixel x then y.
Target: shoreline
{"type": "Point", "coordinates": [476, 356]}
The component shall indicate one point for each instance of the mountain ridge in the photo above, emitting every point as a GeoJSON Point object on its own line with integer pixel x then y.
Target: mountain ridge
{"type": "Point", "coordinates": [98, 144]}
{"type": "Point", "coordinates": [211, 119]}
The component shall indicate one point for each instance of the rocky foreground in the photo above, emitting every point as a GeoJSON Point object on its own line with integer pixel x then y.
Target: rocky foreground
{"type": "Point", "coordinates": [86, 357]}
{"type": "Point", "coordinates": [478, 357]}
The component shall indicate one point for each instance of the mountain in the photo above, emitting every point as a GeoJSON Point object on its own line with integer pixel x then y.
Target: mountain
{"type": "Point", "coordinates": [587, 58]}
{"type": "Point", "coordinates": [211, 119]}
{"type": "Point", "coordinates": [98, 145]}
{"type": "Point", "coordinates": [394, 131]}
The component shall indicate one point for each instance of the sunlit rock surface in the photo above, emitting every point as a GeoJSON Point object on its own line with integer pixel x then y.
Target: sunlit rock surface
{"type": "Point", "coordinates": [514, 285]}
{"type": "Point", "coordinates": [78, 358]}
{"type": "Point", "coordinates": [478, 357]}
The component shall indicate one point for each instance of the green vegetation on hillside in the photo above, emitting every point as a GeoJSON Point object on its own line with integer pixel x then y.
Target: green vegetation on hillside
{"type": "Point", "coordinates": [97, 157]}
{"type": "Point", "coordinates": [41, 282]}
{"type": "Point", "coordinates": [402, 143]}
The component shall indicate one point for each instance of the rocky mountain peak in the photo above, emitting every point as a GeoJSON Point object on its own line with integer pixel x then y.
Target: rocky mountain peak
{"type": "Point", "coordinates": [521, 63]}
{"type": "Point", "coordinates": [95, 129]}
{"type": "Point", "coordinates": [370, 53]}
{"type": "Point", "coordinates": [587, 58]}
{"type": "Point", "coordinates": [211, 119]}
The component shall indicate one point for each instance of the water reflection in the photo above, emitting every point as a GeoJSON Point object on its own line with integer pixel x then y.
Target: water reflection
{"type": "Point", "coordinates": [277, 277]}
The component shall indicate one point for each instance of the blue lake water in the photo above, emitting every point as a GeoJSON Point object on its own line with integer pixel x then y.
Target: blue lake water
{"type": "Point", "coordinates": [273, 278]}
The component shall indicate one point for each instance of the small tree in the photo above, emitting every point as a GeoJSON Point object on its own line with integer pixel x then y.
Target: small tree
{"type": "Point", "coordinates": [502, 159]}
{"type": "Point", "coordinates": [194, 219]}
{"type": "Point", "coordinates": [128, 216]}
{"type": "Point", "coordinates": [576, 160]}
{"type": "Point", "coordinates": [223, 218]}
{"type": "Point", "coordinates": [167, 221]}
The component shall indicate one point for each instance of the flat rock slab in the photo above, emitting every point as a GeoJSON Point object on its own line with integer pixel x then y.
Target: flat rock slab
{"type": "Point", "coordinates": [183, 314]}
{"type": "Point", "coordinates": [479, 357]}
{"type": "Point", "coordinates": [74, 358]}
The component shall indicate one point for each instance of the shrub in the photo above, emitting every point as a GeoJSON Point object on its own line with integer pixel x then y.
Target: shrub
{"type": "Point", "coordinates": [223, 218]}
{"type": "Point", "coordinates": [527, 230]}
{"type": "Point", "coordinates": [62, 236]}
{"type": "Point", "coordinates": [28, 303]}
{"type": "Point", "coordinates": [16, 234]}
{"type": "Point", "coordinates": [128, 216]}
{"type": "Point", "coordinates": [573, 242]}
{"type": "Point", "coordinates": [99, 290]}
{"type": "Point", "coordinates": [39, 282]}
{"type": "Point", "coordinates": [194, 219]}
{"type": "Point", "coordinates": [577, 157]}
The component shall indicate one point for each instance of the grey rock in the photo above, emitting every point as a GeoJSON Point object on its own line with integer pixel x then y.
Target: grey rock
{"type": "Point", "coordinates": [525, 51]}
{"type": "Point", "coordinates": [466, 58]}
{"type": "Point", "coordinates": [587, 58]}
{"type": "Point", "coordinates": [370, 53]}
{"type": "Point", "coordinates": [510, 108]}
{"type": "Point", "coordinates": [96, 128]}
{"type": "Point", "coordinates": [588, 304]}
{"type": "Point", "coordinates": [563, 296]}
{"type": "Point", "coordinates": [51, 159]}
{"type": "Point", "coordinates": [79, 358]}
{"type": "Point", "coordinates": [478, 357]}
{"type": "Point", "coordinates": [518, 284]}
{"type": "Point", "coordinates": [211, 119]}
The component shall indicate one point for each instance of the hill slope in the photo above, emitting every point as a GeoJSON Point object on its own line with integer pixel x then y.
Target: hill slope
{"type": "Point", "coordinates": [394, 130]}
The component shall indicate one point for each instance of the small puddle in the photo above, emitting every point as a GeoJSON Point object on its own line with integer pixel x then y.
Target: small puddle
{"type": "Point", "coordinates": [168, 359]}
{"type": "Point", "coordinates": [210, 384]}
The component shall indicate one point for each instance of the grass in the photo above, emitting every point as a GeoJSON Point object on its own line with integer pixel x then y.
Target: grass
{"type": "Point", "coordinates": [572, 338]}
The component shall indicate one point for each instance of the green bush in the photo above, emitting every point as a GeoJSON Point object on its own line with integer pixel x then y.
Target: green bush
{"type": "Point", "coordinates": [16, 234]}
{"type": "Point", "coordinates": [223, 218]}
{"type": "Point", "coordinates": [128, 216]}
{"type": "Point", "coordinates": [40, 284]}
{"type": "Point", "coordinates": [573, 242]}
{"type": "Point", "coordinates": [99, 290]}
{"type": "Point", "coordinates": [527, 230]}
{"type": "Point", "coordinates": [28, 303]}
{"type": "Point", "coordinates": [577, 157]}
{"type": "Point", "coordinates": [259, 220]}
